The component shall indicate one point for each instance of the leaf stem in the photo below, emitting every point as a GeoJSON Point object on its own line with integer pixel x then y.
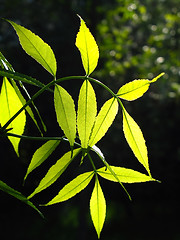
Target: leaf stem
{"type": "Point", "coordinates": [38, 94]}
{"type": "Point", "coordinates": [92, 163]}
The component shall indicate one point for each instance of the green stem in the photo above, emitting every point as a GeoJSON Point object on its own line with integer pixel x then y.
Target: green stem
{"type": "Point", "coordinates": [92, 163]}
{"type": "Point", "coordinates": [37, 95]}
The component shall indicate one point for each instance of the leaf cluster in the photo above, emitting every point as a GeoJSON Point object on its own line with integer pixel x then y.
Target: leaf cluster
{"type": "Point", "coordinates": [83, 128]}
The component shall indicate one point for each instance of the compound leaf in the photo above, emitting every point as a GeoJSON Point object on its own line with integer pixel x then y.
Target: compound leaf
{"type": "Point", "coordinates": [87, 109]}
{"type": "Point", "coordinates": [36, 48]}
{"type": "Point", "coordinates": [42, 154]}
{"type": "Point", "coordinates": [88, 48]}
{"type": "Point", "coordinates": [72, 188]}
{"type": "Point", "coordinates": [65, 112]}
{"type": "Point", "coordinates": [55, 171]}
{"type": "Point", "coordinates": [136, 88]}
{"type": "Point", "coordinates": [104, 120]}
{"type": "Point", "coordinates": [124, 175]}
{"type": "Point", "coordinates": [98, 207]}
{"type": "Point", "coordinates": [9, 105]}
{"type": "Point", "coordinates": [135, 139]}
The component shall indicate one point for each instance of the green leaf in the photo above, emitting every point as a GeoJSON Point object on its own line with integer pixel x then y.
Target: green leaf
{"type": "Point", "coordinates": [36, 48]}
{"type": "Point", "coordinates": [72, 188]}
{"type": "Point", "coordinates": [9, 72]}
{"type": "Point", "coordinates": [88, 48]}
{"type": "Point", "coordinates": [98, 207]}
{"type": "Point", "coordinates": [65, 112]}
{"type": "Point", "coordinates": [135, 139]}
{"type": "Point", "coordinates": [9, 105]}
{"type": "Point", "coordinates": [41, 155]}
{"type": "Point", "coordinates": [55, 171]}
{"type": "Point", "coordinates": [4, 187]}
{"type": "Point", "coordinates": [124, 175]}
{"type": "Point", "coordinates": [87, 109]}
{"type": "Point", "coordinates": [136, 88]}
{"type": "Point", "coordinates": [21, 77]}
{"type": "Point", "coordinates": [104, 120]}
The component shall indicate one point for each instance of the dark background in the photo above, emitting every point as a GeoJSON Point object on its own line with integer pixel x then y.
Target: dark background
{"type": "Point", "coordinates": [138, 39]}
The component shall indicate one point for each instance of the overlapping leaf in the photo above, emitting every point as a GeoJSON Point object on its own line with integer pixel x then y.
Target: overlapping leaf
{"type": "Point", "coordinates": [104, 120]}
{"type": "Point", "coordinates": [124, 175]}
{"type": "Point", "coordinates": [98, 207]}
{"type": "Point", "coordinates": [9, 105]}
{"type": "Point", "coordinates": [87, 109]}
{"type": "Point", "coordinates": [55, 171]}
{"type": "Point", "coordinates": [42, 154]}
{"type": "Point", "coordinates": [136, 88]}
{"type": "Point", "coordinates": [135, 139]}
{"type": "Point", "coordinates": [65, 112]}
{"type": "Point", "coordinates": [36, 48]}
{"type": "Point", "coordinates": [9, 72]}
{"type": "Point", "coordinates": [88, 48]}
{"type": "Point", "coordinates": [72, 188]}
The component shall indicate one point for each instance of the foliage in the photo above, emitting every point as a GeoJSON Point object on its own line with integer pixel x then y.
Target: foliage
{"type": "Point", "coordinates": [90, 125]}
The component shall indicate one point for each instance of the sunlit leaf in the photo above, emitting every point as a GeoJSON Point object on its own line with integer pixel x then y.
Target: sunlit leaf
{"type": "Point", "coordinates": [104, 120]}
{"type": "Point", "coordinates": [9, 105]}
{"type": "Point", "coordinates": [65, 112]}
{"type": "Point", "coordinates": [135, 139]}
{"type": "Point", "coordinates": [9, 72]}
{"type": "Point", "coordinates": [98, 207]}
{"type": "Point", "coordinates": [55, 171]}
{"type": "Point", "coordinates": [4, 187]}
{"type": "Point", "coordinates": [72, 188]}
{"type": "Point", "coordinates": [88, 48]}
{"type": "Point", "coordinates": [87, 109]}
{"type": "Point", "coordinates": [125, 175]}
{"type": "Point", "coordinates": [36, 48]}
{"type": "Point", "coordinates": [136, 88]}
{"type": "Point", "coordinates": [42, 154]}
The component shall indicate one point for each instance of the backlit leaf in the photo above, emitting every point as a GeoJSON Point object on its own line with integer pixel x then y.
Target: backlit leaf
{"type": "Point", "coordinates": [88, 48]}
{"type": "Point", "coordinates": [72, 188]}
{"type": "Point", "coordinates": [87, 109]}
{"type": "Point", "coordinates": [42, 154]}
{"type": "Point", "coordinates": [104, 120]}
{"type": "Point", "coordinates": [135, 139]}
{"type": "Point", "coordinates": [98, 207]}
{"type": "Point", "coordinates": [65, 112]}
{"type": "Point", "coordinates": [124, 175]}
{"type": "Point", "coordinates": [136, 88]}
{"type": "Point", "coordinates": [36, 48]}
{"type": "Point", "coordinates": [55, 171]}
{"type": "Point", "coordinates": [4, 187]}
{"type": "Point", "coordinates": [9, 105]}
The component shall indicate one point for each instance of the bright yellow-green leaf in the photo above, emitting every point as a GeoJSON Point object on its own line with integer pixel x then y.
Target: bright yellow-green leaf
{"type": "Point", "coordinates": [55, 171]}
{"type": "Point", "coordinates": [88, 48]}
{"type": "Point", "coordinates": [9, 105]}
{"type": "Point", "coordinates": [65, 112]}
{"type": "Point", "coordinates": [136, 88]}
{"type": "Point", "coordinates": [36, 48]}
{"type": "Point", "coordinates": [135, 139]}
{"type": "Point", "coordinates": [87, 109]}
{"type": "Point", "coordinates": [124, 175]}
{"type": "Point", "coordinates": [98, 207]}
{"type": "Point", "coordinates": [72, 188]}
{"type": "Point", "coordinates": [42, 154]}
{"type": "Point", "coordinates": [104, 120]}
